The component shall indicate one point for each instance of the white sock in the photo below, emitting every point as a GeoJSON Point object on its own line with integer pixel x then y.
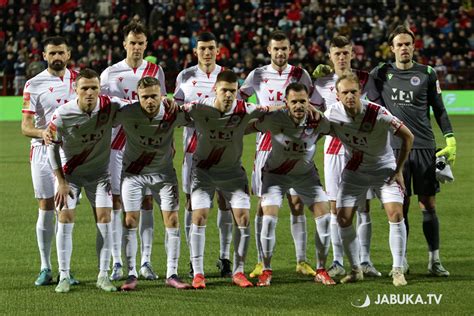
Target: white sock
{"type": "Point", "coordinates": [351, 245]}
{"type": "Point", "coordinates": [258, 230]}
{"type": "Point", "coordinates": [146, 234]}
{"type": "Point", "coordinates": [298, 231]}
{"type": "Point", "coordinates": [173, 243]}
{"type": "Point", "coordinates": [99, 243]}
{"type": "Point", "coordinates": [198, 242]}
{"type": "Point", "coordinates": [322, 239]}
{"type": "Point", "coordinates": [364, 231]}
{"type": "Point", "coordinates": [130, 246]}
{"type": "Point", "coordinates": [44, 235]}
{"type": "Point", "coordinates": [241, 245]}
{"type": "Point", "coordinates": [433, 256]}
{"type": "Point", "coordinates": [337, 247]}
{"type": "Point", "coordinates": [397, 241]}
{"type": "Point", "coordinates": [225, 223]}
{"type": "Point", "coordinates": [268, 238]}
{"type": "Point", "coordinates": [116, 220]}
{"type": "Point", "coordinates": [64, 248]}
{"type": "Point", "coordinates": [188, 220]}
{"type": "Point", "coordinates": [105, 230]}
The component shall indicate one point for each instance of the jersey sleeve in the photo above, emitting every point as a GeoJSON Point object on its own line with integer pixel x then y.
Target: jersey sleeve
{"type": "Point", "coordinates": [178, 91]}
{"type": "Point", "coordinates": [316, 99]}
{"type": "Point", "coordinates": [29, 99]}
{"type": "Point", "coordinates": [104, 82]}
{"type": "Point", "coordinates": [247, 88]}
{"type": "Point", "coordinates": [374, 85]}
{"type": "Point", "coordinates": [324, 126]}
{"type": "Point", "coordinates": [161, 79]}
{"type": "Point", "coordinates": [392, 122]}
{"type": "Point", "coordinates": [264, 123]}
{"type": "Point", "coordinates": [306, 80]}
{"type": "Point", "coordinates": [435, 100]}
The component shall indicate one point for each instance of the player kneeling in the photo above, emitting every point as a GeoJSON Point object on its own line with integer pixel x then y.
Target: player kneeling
{"type": "Point", "coordinates": [290, 165]}
{"type": "Point", "coordinates": [364, 128]}
{"type": "Point", "coordinates": [148, 163]}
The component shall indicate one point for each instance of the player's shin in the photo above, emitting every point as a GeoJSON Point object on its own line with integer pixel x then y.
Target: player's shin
{"type": "Point", "coordinates": [198, 241]}
{"type": "Point", "coordinates": [351, 245]}
{"type": "Point", "coordinates": [64, 248]}
{"type": "Point", "coordinates": [172, 244]}
{"type": "Point", "coordinates": [397, 241]}
{"type": "Point", "coordinates": [105, 230]}
{"type": "Point", "coordinates": [224, 223]}
{"type": "Point", "coordinates": [45, 228]}
{"type": "Point", "coordinates": [322, 239]}
{"type": "Point", "coordinates": [130, 245]}
{"type": "Point", "coordinates": [298, 232]}
{"type": "Point", "coordinates": [146, 234]}
{"type": "Point", "coordinates": [241, 245]}
{"type": "Point", "coordinates": [364, 231]}
{"type": "Point", "coordinates": [268, 239]}
{"type": "Point", "coordinates": [116, 219]}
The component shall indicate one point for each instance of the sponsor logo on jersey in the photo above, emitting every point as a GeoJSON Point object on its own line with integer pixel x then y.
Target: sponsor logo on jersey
{"type": "Point", "coordinates": [402, 96]}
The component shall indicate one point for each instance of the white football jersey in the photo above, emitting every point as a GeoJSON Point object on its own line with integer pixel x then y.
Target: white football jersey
{"type": "Point", "coordinates": [220, 135]}
{"type": "Point", "coordinates": [120, 80]}
{"type": "Point", "coordinates": [324, 95]}
{"type": "Point", "coordinates": [294, 145]}
{"type": "Point", "coordinates": [85, 139]}
{"type": "Point", "coordinates": [46, 93]}
{"type": "Point", "coordinates": [193, 84]}
{"type": "Point", "coordinates": [150, 146]}
{"type": "Point", "coordinates": [365, 137]}
{"type": "Point", "coordinates": [269, 87]}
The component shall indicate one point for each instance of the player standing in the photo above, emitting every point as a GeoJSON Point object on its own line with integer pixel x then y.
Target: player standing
{"type": "Point", "coordinates": [83, 128]}
{"type": "Point", "coordinates": [192, 84]}
{"type": "Point", "coordinates": [148, 163]}
{"type": "Point", "coordinates": [42, 95]}
{"type": "Point", "coordinates": [340, 55]}
{"type": "Point", "coordinates": [120, 80]}
{"type": "Point", "coordinates": [290, 165]}
{"type": "Point", "coordinates": [365, 128]}
{"type": "Point", "coordinates": [408, 89]}
{"type": "Point", "coordinates": [269, 83]}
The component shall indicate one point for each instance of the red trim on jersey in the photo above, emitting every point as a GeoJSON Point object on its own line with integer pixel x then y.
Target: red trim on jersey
{"type": "Point", "coordinates": [265, 143]}
{"type": "Point", "coordinates": [28, 111]}
{"type": "Point", "coordinates": [334, 146]}
{"type": "Point", "coordinates": [141, 162]}
{"type": "Point", "coordinates": [31, 153]}
{"type": "Point", "coordinates": [119, 140]}
{"type": "Point", "coordinates": [245, 95]}
{"type": "Point", "coordinates": [370, 117]}
{"type": "Point", "coordinates": [191, 148]}
{"type": "Point", "coordinates": [76, 160]}
{"type": "Point", "coordinates": [355, 161]}
{"type": "Point", "coordinates": [285, 167]}
{"type": "Point", "coordinates": [213, 159]}
{"type": "Point", "coordinates": [103, 115]}
{"type": "Point", "coordinates": [363, 77]}
{"type": "Point", "coordinates": [295, 72]}
{"type": "Point", "coordinates": [72, 80]}
{"type": "Point", "coordinates": [239, 111]}
{"type": "Point", "coordinates": [150, 70]}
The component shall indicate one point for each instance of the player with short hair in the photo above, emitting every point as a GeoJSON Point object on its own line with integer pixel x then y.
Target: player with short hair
{"type": "Point", "coordinates": [41, 96]}
{"type": "Point", "coordinates": [269, 83]}
{"type": "Point", "coordinates": [148, 163]}
{"type": "Point", "coordinates": [408, 90]}
{"type": "Point", "coordinates": [82, 128]}
{"type": "Point", "coordinates": [220, 124]}
{"type": "Point", "coordinates": [340, 56]}
{"type": "Point", "coordinates": [192, 84]}
{"type": "Point", "coordinates": [365, 128]}
{"type": "Point", "coordinates": [120, 80]}
{"type": "Point", "coordinates": [290, 165]}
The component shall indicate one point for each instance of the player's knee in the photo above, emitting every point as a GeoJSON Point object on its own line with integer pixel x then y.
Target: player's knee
{"type": "Point", "coordinates": [116, 202]}
{"type": "Point", "coordinates": [131, 220]}
{"type": "Point", "coordinates": [66, 216]}
{"type": "Point", "coordinates": [171, 219]}
{"type": "Point", "coordinates": [104, 216]}
{"type": "Point", "coordinates": [46, 204]}
{"type": "Point", "coordinates": [343, 221]}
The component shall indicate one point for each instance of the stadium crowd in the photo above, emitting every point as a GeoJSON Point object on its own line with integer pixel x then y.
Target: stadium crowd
{"type": "Point", "coordinates": [444, 37]}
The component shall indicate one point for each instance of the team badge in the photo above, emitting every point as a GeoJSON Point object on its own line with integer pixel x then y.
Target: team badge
{"type": "Point", "coordinates": [366, 127]}
{"type": "Point", "coordinates": [389, 76]}
{"type": "Point", "coordinates": [102, 118]}
{"type": "Point", "coordinates": [415, 81]}
{"type": "Point", "coordinates": [309, 131]}
{"type": "Point", "coordinates": [165, 125]}
{"type": "Point", "coordinates": [234, 120]}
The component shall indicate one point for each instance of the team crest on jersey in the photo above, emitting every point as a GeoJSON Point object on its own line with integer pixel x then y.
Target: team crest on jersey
{"type": "Point", "coordinates": [265, 80]}
{"type": "Point", "coordinates": [194, 82]}
{"type": "Point", "coordinates": [120, 79]}
{"type": "Point", "coordinates": [51, 89]}
{"type": "Point", "coordinates": [164, 125]}
{"type": "Point", "coordinates": [234, 120]}
{"type": "Point", "coordinates": [309, 131]}
{"type": "Point", "coordinates": [389, 76]}
{"type": "Point", "coordinates": [366, 127]}
{"type": "Point", "coordinates": [102, 118]}
{"type": "Point", "coordinates": [415, 81]}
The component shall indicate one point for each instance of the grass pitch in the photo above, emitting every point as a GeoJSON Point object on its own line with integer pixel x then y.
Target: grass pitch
{"type": "Point", "coordinates": [289, 293]}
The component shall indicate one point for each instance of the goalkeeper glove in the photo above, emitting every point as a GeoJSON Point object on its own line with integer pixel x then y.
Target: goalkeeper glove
{"type": "Point", "coordinates": [449, 151]}
{"type": "Point", "coordinates": [321, 71]}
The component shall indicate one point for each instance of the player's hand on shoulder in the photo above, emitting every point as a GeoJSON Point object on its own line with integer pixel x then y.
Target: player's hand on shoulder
{"type": "Point", "coordinates": [48, 136]}
{"type": "Point", "coordinates": [321, 71]}
{"type": "Point", "coordinates": [170, 105]}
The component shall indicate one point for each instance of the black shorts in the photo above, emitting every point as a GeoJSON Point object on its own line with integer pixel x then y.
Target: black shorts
{"type": "Point", "coordinates": [420, 168]}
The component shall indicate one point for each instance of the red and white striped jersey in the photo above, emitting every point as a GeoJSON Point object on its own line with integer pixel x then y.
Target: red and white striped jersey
{"type": "Point", "coordinates": [365, 137]}
{"type": "Point", "coordinates": [269, 87]}
{"type": "Point", "coordinates": [294, 145]}
{"type": "Point", "coordinates": [46, 93]}
{"type": "Point", "coordinates": [85, 138]}
{"type": "Point", "coordinates": [120, 80]}
{"type": "Point", "coordinates": [220, 135]}
{"type": "Point", "coordinates": [150, 146]}
{"type": "Point", "coordinates": [193, 84]}
{"type": "Point", "coordinates": [324, 95]}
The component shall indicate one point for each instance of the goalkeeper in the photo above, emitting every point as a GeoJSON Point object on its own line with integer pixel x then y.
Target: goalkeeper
{"type": "Point", "coordinates": [408, 90]}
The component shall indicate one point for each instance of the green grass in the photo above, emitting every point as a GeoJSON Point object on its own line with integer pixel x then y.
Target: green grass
{"type": "Point", "coordinates": [289, 293]}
